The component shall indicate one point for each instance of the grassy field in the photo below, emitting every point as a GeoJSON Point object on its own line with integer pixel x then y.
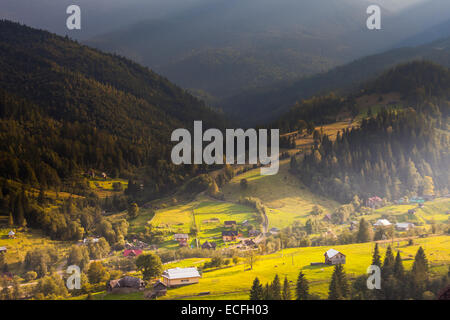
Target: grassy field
{"type": "Point", "coordinates": [24, 242]}
{"type": "Point", "coordinates": [234, 282]}
{"type": "Point", "coordinates": [434, 211]}
{"type": "Point", "coordinates": [283, 194]}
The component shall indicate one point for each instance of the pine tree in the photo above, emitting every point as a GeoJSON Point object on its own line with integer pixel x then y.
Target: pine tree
{"type": "Point", "coordinates": [257, 291]}
{"type": "Point", "coordinates": [267, 293]}
{"type": "Point", "coordinates": [275, 288]}
{"type": "Point", "coordinates": [339, 287]}
{"type": "Point", "coordinates": [286, 290]}
{"type": "Point", "coordinates": [399, 270]}
{"type": "Point", "coordinates": [420, 266]}
{"type": "Point", "coordinates": [388, 264]}
{"type": "Point", "coordinates": [376, 259]}
{"type": "Point", "coordinates": [363, 231]}
{"type": "Point", "coordinates": [302, 289]}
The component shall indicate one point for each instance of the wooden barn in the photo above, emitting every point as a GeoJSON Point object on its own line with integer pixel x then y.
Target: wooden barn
{"type": "Point", "coordinates": [333, 257]}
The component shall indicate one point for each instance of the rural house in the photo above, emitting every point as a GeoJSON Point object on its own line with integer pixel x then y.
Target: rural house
{"type": "Point", "coordinates": [182, 239]}
{"type": "Point", "coordinates": [229, 236]}
{"type": "Point", "coordinates": [374, 202]}
{"type": "Point", "coordinates": [245, 223]}
{"type": "Point", "coordinates": [11, 234]}
{"type": "Point", "coordinates": [126, 284]}
{"type": "Point", "coordinates": [209, 245]}
{"type": "Point", "coordinates": [3, 250]}
{"type": "Point", "coordinates": [274, 231]}
{"type": "Point", "coordinates": [159, 289]}
{"type": "Point", "coordinates": [404, 226]}
{"type": "Point", "coordinates": [229, 224]}
{"type": "Point", "coordinates": [327, 217]}
{"type": "Point", "coordinates": [382, 223]}
{"type": "Point", "coordinates": [180, 276]}
{"type": "Point", "coordinates": [334, 257]}
{"type": "Point", "coordinates": [132, 253]}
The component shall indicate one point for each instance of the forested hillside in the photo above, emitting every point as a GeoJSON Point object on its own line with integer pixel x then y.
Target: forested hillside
{"type": "Point", "coordinates": [395, 153]}
{"type": "Point", "coordinates": [66, 108]}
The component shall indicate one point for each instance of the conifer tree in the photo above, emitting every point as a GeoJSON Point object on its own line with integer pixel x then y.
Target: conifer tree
{"type": "Point", "coordinates": [363, 231]}
{"type": "Point", "coordinates": [286, 290]}
{"type": "Point", "coordinates": [388, 264]}
{"type": "Point", "coordinates": [420, 266]}
{"type": "Point", "coordinates": [302, 289]}
{"type": "Point", "coordinates": [339, 288]}
{"type": "Point", "coordinates": [399, 270]}
{"type": "Point", "coordinates": [275, 288]}
{"type": "Point", "coordinates": [256, 293]}
{"type": "Point", "coordinates": [376, 259]}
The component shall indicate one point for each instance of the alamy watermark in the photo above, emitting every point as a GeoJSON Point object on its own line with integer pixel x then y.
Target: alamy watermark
{"type": "Point", "coordinates": [374, 279]}
{"type": "Point", "coordinates": [74, 280]}
{"type": "Point", "coordinates": [235, 143]}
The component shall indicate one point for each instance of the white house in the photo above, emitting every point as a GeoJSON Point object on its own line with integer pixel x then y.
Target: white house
{"type": "Point", "coordinates": [404, 226]}
{"type": "Point", "coordinates": [180, 276]}
{"type": "Point", "coordinates": [382, 223]}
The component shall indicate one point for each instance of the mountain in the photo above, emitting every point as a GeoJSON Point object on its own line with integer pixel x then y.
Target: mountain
{"type": "Point", "coordinates": [223, 46]}
{"type": "Point", "coordinates": [267, 103]}
{"type": "Point", "coordinates": [66, 108]}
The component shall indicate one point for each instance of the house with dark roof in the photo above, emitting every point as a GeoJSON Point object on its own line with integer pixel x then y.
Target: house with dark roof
{"type": "Point", "coordinates": [126, 284]}
{"type": "Point", "coordinates": [334, 257]}
{"type": "Point", "coordinates": [159, 289]}
{"type": "Point", "coordinates": [229, 236]}
{"type": "Point", "coordinates": [182, 239]}
{"type": "Point", "coordinates": [209, 245]}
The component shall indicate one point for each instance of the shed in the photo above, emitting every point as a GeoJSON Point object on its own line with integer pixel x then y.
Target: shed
{"type": "Point", "coordinates": [180, 276]}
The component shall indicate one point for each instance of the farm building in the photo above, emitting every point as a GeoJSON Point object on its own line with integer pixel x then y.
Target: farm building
{"type": "Point", "coordinates": [382, 223]}
{"type": "Point", "coordinates": [229, 224]}
{"type": "Point", "coordinates": [209, 245]}
{"type": "Point", "coordinates": [404, 226]}
{"type": "Point", "coordinates": [374, 202]}
{"type": "Point", "coordinates": [11, 234]}
{"type": "Point", "coordinates": [3, 250]}
{"type": "Point", "coordinates": [334, 257]}
{"type": "Point", "coordinates": [229, 235]}
{"type": "Point", "coordinates": [159, 289]}
{"type": "Point", "coordinates": [182, 239]}
{"type": "Point", "coordinates": [245, 223]}
{"type": "Point", "coordinates": [180, 276]}
{"type": "Point", "coordinates": [327, 217]}
{"type": "Point", "coordinates": [126, 284]}
{"type": "Point", "coordinates": [132, 253]}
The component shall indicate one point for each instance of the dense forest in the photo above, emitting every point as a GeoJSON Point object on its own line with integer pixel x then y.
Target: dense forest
{"type": "Point", "coordinates": [395, 153]}
{"type": "Point", "coordinates": [66, 108]}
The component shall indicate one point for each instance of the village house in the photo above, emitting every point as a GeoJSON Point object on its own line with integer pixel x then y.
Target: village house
{"type": "Point", "coordinates": [209, 245]}
{"type": "Point", "coordinates": [249, 243]}
{"type": "Point", "coordinates": [327, 218]}
{"type": "Point", "coordinates": [11, 234]}
{"type": "Point", "coordinates": [159, 289]}
{"type": "Point", "coordinates": [182, 239]}
{"type": "Point", "coordinates": [132, 253]}
{"type": "Point", "coordinates": [229, 224]}
{"type": "Point", "coordinates": [180, 276]}
{"type": "Point", "coordinates": [412, 211]}
{"type": "Point", "coordinates": [404, 226]}
{"type": "Point", "coordinates": [382, 223]}
{"type": "Point", "coordinates": [229, 236]}
{"type": "Point", "coordinates": [126, 284]}
{"type": "Point", "coordinates": [333, 257]}
{"type": "Point", "coordinates": [3, 250]}
{"type": "Point", "coordinates": [374, 202]}
{"type": "Point", "coordinates": [245, 223]}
